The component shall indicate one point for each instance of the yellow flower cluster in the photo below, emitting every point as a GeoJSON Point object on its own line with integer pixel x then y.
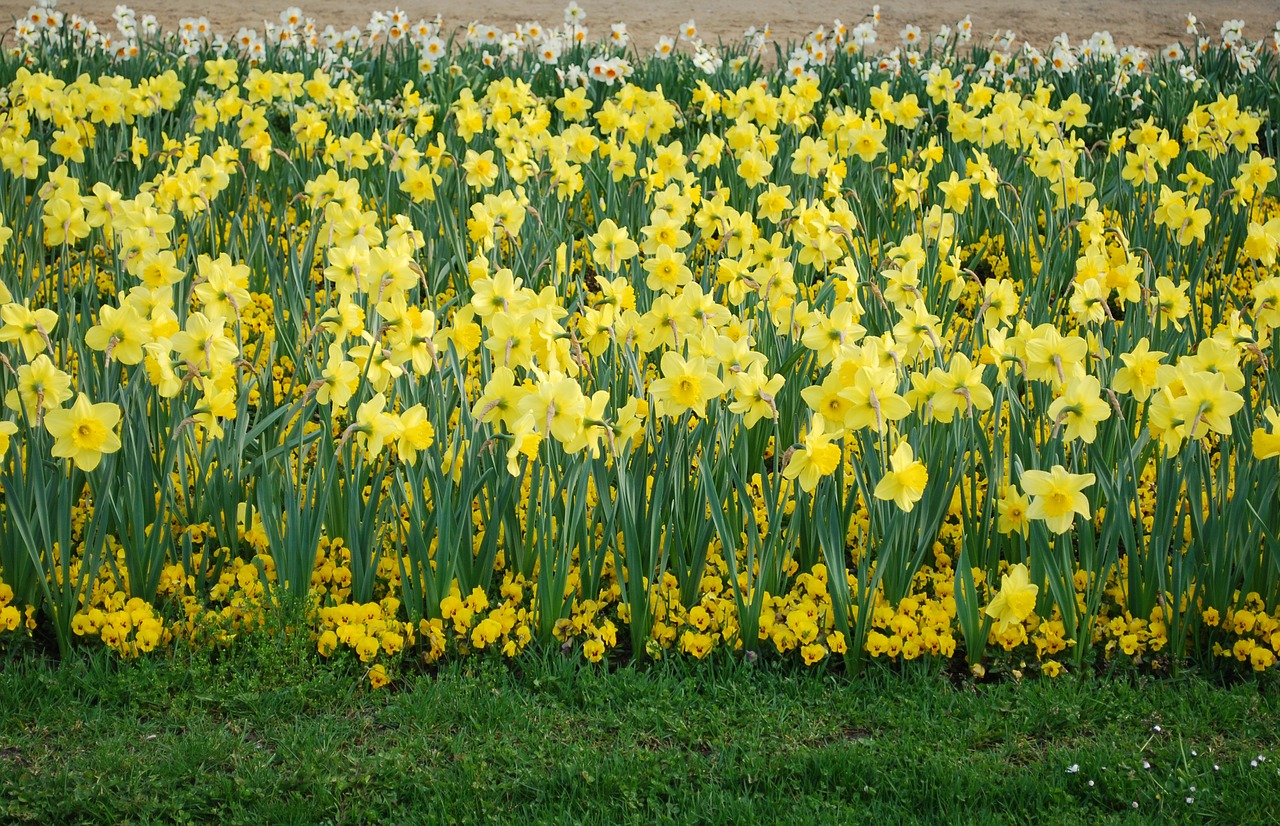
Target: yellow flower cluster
{"type": "Point", "coordinates": [641, 362]}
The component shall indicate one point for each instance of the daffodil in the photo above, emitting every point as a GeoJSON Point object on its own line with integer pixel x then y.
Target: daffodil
{"type": "Point", "coordinates": [216, 403]}
{"type": "Point", "coordinates": [1080, 409]}
{"type": "Point", "coordinates": [1171, 303]}
{"type": "Point", "coordinates": [119, 333]}
{"type": "Point", "coordinates": [964, 389]}
{"type": "Point", "coordinates": [84, 432]}
{"type": "Point", "coordinates": [611, 245]}
{"type": "Point", "coordinates": [1266, 443]}
{"type": "Point", "coordinates": [816, 457]}
{"type": "Point", "coordinates": [481, 171]}
{"type": "Point", "coordinates": [873, 399]}
{"type": "Point", "coordinates": [755, 395]}
{"type": "Point", "coordinates": [500, 398]}
{"type": "Point", "coordinates": [684, 386]}
{"type": "Point", "coordinates": [667, 270]}
{"type": "Point", "coordinates": [525, 441]}
{"type": "Point", "coordinates": [30, 328]}
{"type": "Point", "coordinates": [414, 433]}
{"type": "Point", "coordinates": [41, 386]}
{"type": "Point", "coordinates": [1013, 509]}
{"type": "Point", "coordinates": [1206, 404]}
{"type": "Point", "coordinates": [7, 430]}
{"type": "Point", "coordinates": [1138, 376]}
{"type": "Point", "coordinates": [1057, 496]}
{"type": "Point", "coordinates": [1054, 358]}
{"type": "Point", "coordinates": [557, 405]}
{"type": "Point", "coordinates": [904, 483]}
{"type": "Point", "coordinates": [373, 427]}
{"type": "Point", "coordinates": [1016, 599]}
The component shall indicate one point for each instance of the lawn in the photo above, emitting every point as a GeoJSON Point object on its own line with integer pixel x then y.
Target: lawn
{"type": "Point", "coordinates": [264, 734]}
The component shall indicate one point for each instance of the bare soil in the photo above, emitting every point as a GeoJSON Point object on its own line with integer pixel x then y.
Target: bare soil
{"type": "Point", "coordinates": [1147, 23]}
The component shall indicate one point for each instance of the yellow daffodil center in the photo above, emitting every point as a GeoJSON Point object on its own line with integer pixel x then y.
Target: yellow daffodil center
{"type": "Point", "coordinates": [88, 434]}
{"type": "Point", "coordinates": [687, 391]}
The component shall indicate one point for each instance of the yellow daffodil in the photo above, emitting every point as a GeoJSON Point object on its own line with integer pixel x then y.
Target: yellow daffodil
{"type": "Point", "coordinates": [84, 432]}
{"type": "Point", "coordinates": [684, 386]}
{"type": "Point", "coordinates": [905, 482]}
{"type": "Point", "coordinates": [1079, 409]}
{"type": "Point", "coordinates": [1014, 512]}
{"type": "Point", "coordinates": [1016, 599]}
{"type": "Point", "coordinates": [816, 457]}
{"type": "Point", "coordinates": [611, 245]}
{"type": "Point", "coordinates": [7, 430]}
{"type": "Point", "coordinates": [1057, 496]}
{"type": "Point", "coordinates": [1266, 443]}
{"type": "Point", "coordinates": [30, 328]}
{"type": "Point", "coordinates": [1138, 376]}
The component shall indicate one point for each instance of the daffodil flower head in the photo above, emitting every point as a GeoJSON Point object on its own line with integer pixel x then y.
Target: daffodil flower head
{"type": "Point", "coordinates": [686, 385]}
{"type": "Point", "coordinates": [1057, 496]}
{"type": "Point", "coordinates": [816, 458]}
{"type": "Point", "coordinates": [84, 432]}
{"type": "Point", "coordinates": [1016, 599]}
{"type": "Point", "coordinates": [904, 483]}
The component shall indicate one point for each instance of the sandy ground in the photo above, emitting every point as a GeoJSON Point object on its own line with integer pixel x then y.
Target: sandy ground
{"type": "Point", "coordinates": [1148, 23]}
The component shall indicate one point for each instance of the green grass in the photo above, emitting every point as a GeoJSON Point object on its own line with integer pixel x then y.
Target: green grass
{"type": "Point", "coordinates": [264, 734]}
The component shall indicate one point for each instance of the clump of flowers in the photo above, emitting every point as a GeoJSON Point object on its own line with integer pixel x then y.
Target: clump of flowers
{"type": "Point", "coordinates": [973, 363]}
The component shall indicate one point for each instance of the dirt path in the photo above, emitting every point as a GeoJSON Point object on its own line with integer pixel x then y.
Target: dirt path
{"type": "Point", "coordinates": [1148, 23]}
